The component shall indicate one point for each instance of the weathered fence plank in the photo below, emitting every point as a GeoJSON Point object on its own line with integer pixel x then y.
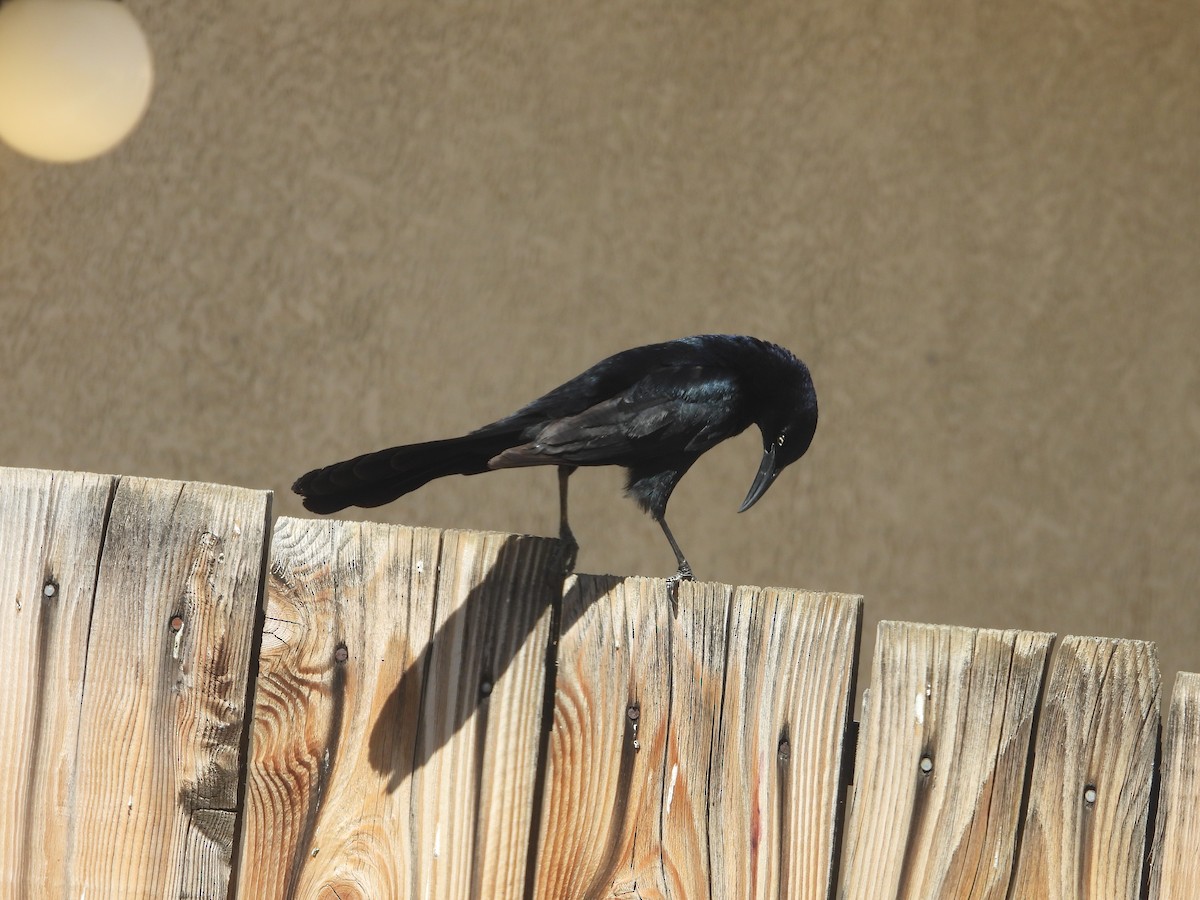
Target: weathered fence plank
{"type": "Point", "coordinates": [397, 714]}
{"type": "Point", "coordinates": [151, 639]}
{"type": "Point", "coordinates": [791, 662]}
{"type": "Point", "coordinates": [942, 758]}
{"type": "Point", "coordinates": [165, 692]}
{"type": "Point", "coordinates": [667, 773]}
{"type": "Point", "coordinates": [1085, 828]}
{"type": "Point", "coordinates": [1175, 863]}
{"type": "Point", "coordinates": [51, 528]}
{"type": "Point", "coordinates": [604, 780]}
{"type": "Point", "coordinates": [402, 745]}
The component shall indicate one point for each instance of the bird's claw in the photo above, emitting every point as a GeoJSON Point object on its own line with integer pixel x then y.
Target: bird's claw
{"type": "Point", "coordinates": [569, 549]}
{"type": "Point", "coordinates": [684, 574]}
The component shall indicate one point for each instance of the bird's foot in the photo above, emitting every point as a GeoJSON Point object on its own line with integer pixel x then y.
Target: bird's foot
{"type": "Point", "coordinates": [569, 548]}
{"type": "Point", "coordinates": [684, 574]}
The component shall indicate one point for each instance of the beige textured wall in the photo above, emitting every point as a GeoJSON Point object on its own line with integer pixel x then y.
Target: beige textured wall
{"type": "Point", "coordinates": [347, 225]}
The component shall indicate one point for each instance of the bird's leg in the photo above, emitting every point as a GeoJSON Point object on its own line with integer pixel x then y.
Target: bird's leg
{"type": "Point", "coordinates": [685, 570]}
{"type": "Point", "coordinates": [570, 545]}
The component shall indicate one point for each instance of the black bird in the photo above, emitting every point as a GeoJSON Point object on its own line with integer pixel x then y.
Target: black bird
{"type": "Point", "coordinates": [654, 410]}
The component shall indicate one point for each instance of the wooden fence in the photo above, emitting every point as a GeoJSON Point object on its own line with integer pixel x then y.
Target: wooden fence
{"type": "Point", "coordinates": [193, 705]}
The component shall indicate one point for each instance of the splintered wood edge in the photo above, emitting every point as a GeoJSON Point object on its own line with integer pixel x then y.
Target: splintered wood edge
{"type": "Point", "coordinates": [1175, 861]}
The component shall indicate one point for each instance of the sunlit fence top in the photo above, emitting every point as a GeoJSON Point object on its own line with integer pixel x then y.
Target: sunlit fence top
{"type": "Point", "coordinates": [194, 704]}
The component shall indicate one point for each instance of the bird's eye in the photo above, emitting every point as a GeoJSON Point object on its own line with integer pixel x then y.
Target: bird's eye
{"type": "Point", "coordinates": [779, 440]}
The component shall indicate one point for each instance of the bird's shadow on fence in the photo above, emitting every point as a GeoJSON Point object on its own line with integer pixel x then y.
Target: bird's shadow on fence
{"type": "Point", "coordinates": [450, 682]}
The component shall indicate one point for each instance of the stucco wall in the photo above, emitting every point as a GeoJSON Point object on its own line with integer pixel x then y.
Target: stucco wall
{"type": "Point", "coordinates": [348, 225]}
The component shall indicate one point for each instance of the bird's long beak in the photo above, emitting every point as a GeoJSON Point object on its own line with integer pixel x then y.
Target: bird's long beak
{"type": "Point", "coordinates": [762, 481]}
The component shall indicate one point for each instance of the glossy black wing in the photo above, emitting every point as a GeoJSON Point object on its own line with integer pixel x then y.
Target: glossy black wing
{"type": "Point", "coordinates": [671, 412]}
{"type": "Point", "coordinates": [606, 380]}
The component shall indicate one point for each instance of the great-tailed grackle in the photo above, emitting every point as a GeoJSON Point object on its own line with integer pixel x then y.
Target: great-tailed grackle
{"type": "Point", "coordinates": [654, 410]}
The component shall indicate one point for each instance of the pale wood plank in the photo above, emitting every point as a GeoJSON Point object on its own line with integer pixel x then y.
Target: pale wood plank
{"type": "Point", "coordinates": [129, 763]}
{"type": "Point", "coordinates": [165, 691]}
{"type": "Point", "coordinates": [963, 700]}
{"type": "Point", "coordinates": [1175, 863]}
{"type": "Point", "coordinates": [406, 768]}
{"type": "Point", "coordinates": [674, 842]}
{"type": "Point", "coordinates": [51, 527]}
{"type": "Point", "coordinates": [484, 698]}
{"type": "Point", "coordinates": [777, 772]}
{"type": "Point", "coordinates": [330, 585]}
{"type": "Point", "coordinates": [1098, 732]}
{"type": "Point", "coordinates": [662, 777]}
{"type": "Point", "coordinates": [605, 781]}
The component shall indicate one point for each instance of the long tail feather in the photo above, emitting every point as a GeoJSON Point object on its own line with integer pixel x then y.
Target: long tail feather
{"type": "Point", "coordinates": [374, 479]}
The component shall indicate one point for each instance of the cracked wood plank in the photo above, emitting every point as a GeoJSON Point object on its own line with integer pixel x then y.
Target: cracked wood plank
{"type": "Point", "coordinates": [397, 712]}
{"type": "Point", "coordinates": [943, 753]}
{"type": "Point", "coordinates": [663, 777]}
{"type": "Point", "coordinates": [165, 693]}
{"type": "Point", "coordinates": [149, 716]}
{"type": "Point", "coordinates": [1084, 833]}
{"type": "Point", "coordinates": [1175, 862]}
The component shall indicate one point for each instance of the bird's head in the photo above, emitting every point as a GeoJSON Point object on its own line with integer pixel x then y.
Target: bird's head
{"type": "Point", "coordinates": [787, 426]}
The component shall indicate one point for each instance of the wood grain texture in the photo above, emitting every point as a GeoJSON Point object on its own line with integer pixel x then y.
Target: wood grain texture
{"type": "Point", "coordinates": [397, 712]}
{"type": "Point", "coordinates": [1175, 862]}
{"type": "Point", "coordinates": [664, 774]}
{"type": "Point", "coordinates": [778, 780]}
{"type": "Point", "coordinates": [51, 527]}
{"type": "Point", "coordinates": [164, 698]}
{"type": "Point", "coordinates": [133, 787]}
{"type": "Point", "coordinates": [1098, 732]}
{"type": "Point", "coordinates": [964, 701]}
{"type": "Point", "coordinates": [605, 781]}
